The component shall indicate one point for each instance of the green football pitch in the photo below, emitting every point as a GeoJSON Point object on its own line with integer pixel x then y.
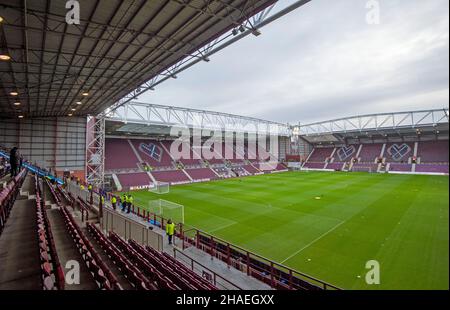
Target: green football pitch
{"type": "Point", "coordinates": [328, 225]}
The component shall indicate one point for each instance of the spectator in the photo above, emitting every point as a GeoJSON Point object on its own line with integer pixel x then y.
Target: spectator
{"type": "Point", "coordinates": [14, 161]}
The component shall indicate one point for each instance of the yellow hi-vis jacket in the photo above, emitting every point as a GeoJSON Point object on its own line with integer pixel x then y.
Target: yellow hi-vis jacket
{"type": "Point", "coordinates": [130, 200]}
{"type": "Point", "coordinates": [90, 187]}
{"type": "Point", "coordinates": [113, 199]}
{"type": "Point", "coordinates": [170, 229]}
{"type": "Point", "coordinates": [103, 199]}
{"type": "Point", "coordinates": [124, 198]}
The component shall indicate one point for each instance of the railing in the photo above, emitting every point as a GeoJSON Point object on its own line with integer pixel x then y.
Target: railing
{"type": "Point", "coordinates": [216, 279]}
{"type": "Point", "coordinates": [35, 169]}
{"type": "Point", "coordinates": [272, 273]}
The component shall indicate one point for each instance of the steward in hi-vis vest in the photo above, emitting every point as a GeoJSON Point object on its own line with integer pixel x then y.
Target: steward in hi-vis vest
{"type": "Point", "coordinates": [113, 202]}
{"type": "Point", "coordinates": [170, 230]}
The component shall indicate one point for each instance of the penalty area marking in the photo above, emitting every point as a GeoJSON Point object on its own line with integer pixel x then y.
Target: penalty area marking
{"type": "Point", "coordinates": [223, 226]}
{"type": "Point", "coordinates": [317, 239]}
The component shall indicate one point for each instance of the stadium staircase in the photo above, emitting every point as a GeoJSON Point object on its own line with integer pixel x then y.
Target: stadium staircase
{"type": "Point", "coordinates": [116, 181]}
{"type": "Point", "coordinates": [19, 248]}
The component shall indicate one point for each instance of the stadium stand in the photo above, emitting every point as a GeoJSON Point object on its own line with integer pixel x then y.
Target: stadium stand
{"type": "Point", "coordinates": [313, 165]}
{"type": "Point", "coordinates": [131, 272]}
{"type": "Point", "coordinates": [51, 270]}
{"type": "Point", "coordinates": [433, 168]}
{"type": "Point", "coordinates": [365, 167]}
{"type": "Point", "coordinates": [202, 174]}
{"type": "Point", "coordinates": [370, 152]}
{"type": "Point", "coordinates": [336, 166]}
{"type": "Point", "coordinates": [399, 167]}
{"type": "Point", "coordinates": [251, 169]}
{"type": "Point", "coordinates": [99, 271]}
{"type": "Point", "coordinates": [251, 156]}
{"type": "Point", "coordinates": [141, 262]}
{"type": "Point", "coordinates": [177, 273]}
{"type": "Point", "coordinates": [153, 152]}
{"type": "Point", "coordinates": [128, 180]}
{"type": "Point", "coordinates": [398, 152]}
{"type": "Point", "coordinates": [433, 151]}
{"type": "Point", "coordinates": [119, 155]}
{"type": "Point", "coordinates": [172, 176]}
{"type": "Point", "coordinates": [432, 157]}
{"type": "Point", "coordinates": [218, 155]}
{"type": "Point", "coordinates": [128, 159]}
{"type": "Point", "coordinates": [320, 154]}
{"type": "Point", "coordinates": [8, 196]}
{"type": "Point", "coordinates": [191, 160]}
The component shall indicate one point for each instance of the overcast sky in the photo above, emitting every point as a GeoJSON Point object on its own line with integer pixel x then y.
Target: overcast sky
{"type": "Point", "coordinates": [324, 61]}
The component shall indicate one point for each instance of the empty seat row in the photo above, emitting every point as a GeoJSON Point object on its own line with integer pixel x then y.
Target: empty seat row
{"type": "Point", "coordinates": [8, 196]}
{"type": "Point", "coordinates": [55, 195]}
{"type": "Point", "coordinates": [180, 281]}
{"type": "Point", "coordinates": [190, 273]}
{"type": "Point", "coordinates": [52, 274]}
{"type": "Point", "coordinates": [4, 170]}
{"type": "Point", "coordinates": [133, 274]}
{"type": "Point", "coordinates": [99, 271]}
{"type": "Point", "coordinates": [141, 262]}
{"type": "Point", "coordinates": [86, 206]}
{"type": "Point", "coordinates": [62, 193]}
{"type": "Point", "coordinates": [181, 276]}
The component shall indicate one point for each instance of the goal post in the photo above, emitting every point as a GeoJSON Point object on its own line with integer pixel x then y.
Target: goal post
{"type": "Point", "coordinates": [159, 187]}
{"type": "Point", "coordinates": [167, 209]}
{"type": "Point", "coordinates": [362, 169]}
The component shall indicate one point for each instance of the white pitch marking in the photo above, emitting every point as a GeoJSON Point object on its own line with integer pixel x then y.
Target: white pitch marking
{"type": "Point", "coordinates": [222, 227]}
{"type": "Point", "coordinates": [309, 244]}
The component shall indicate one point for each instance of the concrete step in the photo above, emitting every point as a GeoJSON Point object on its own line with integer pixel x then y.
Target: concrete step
{"type": "Point", "coordinates": [19, 252]}
{"type": "Point", "coordinates": [67, 251]}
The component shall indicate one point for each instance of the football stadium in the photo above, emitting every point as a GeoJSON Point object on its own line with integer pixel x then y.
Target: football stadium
{"type": "Point", "coordinates": [101, 190]}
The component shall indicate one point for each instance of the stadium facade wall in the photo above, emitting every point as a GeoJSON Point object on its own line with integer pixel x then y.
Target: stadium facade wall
{"type": "Point", "coordinates": [53, 143]}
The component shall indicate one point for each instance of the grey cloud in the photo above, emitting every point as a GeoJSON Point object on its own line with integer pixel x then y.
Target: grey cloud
{"type": "Point", "coordinates": [323, 61]}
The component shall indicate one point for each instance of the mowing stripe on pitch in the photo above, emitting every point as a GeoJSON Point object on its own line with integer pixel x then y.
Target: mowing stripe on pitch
{"type": "Point", "coordinates": [223, 226]}
{"type": "Point", "coordinates": [318, 238]}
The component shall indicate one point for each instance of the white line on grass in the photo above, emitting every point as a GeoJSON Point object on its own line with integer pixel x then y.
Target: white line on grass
{"type": "Point", "coordinates": [222, 227]}
{"type": "Point", "coordinates": [309, 244]}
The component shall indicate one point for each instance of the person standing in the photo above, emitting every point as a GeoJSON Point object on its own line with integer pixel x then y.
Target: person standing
{"type": "Point", "coordinates": [113, 202]}
{"type": "Point", "coordinates": [123, 201]}
{"type": "Point", "coordinates": [130, 203]}
{"type": "Point", "coordinates": [170, 230]}
{"type": "Point", "coordinates": [14, 161]}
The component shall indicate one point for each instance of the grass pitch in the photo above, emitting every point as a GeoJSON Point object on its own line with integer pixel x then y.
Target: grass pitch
{"type": "Point", "coordinates": [329, 225]}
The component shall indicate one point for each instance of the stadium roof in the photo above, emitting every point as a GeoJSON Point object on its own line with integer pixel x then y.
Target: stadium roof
{"type": "Point", "coordinates": [426, 123]}
{"type": "Point", "coordinates": [118, 46]}
{"type": "Point", "coordinates": [139, 118]}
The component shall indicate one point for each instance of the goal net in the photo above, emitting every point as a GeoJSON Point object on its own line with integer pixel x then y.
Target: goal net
{"type": "Point", "coordinates": [159, 187]}
{"type": "Point", "coordinates": [362, 169]}
{"type": "Point", "coordinates": [167, 210]}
